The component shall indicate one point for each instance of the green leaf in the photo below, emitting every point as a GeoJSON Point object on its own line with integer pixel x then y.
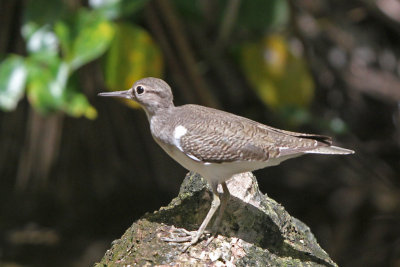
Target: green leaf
{"type": "Point", "coordinates": [12, 81]}
{"type": "Point", "coordinates": [280, 78]}
{"type": "Point", "coordinates": [40, 39]}
{"type": "Point", "coordinates": [64, 34]}
{"type": "Point", "coordinates": [77, 105]}
{"type": "Point", "coordinates": [75, 102]}
{"type": "Point", "coordinates": [84, 38]}
{"type": "Point", "coordinates": [113, 9]}
{"type": "Point", "coordinates": [50, 90]}
{"type": "Point", "coordinates": [132, 55]}
{"type": "Point", "coordinates": [46, 83]}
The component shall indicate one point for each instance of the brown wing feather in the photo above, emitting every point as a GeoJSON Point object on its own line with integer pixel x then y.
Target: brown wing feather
{"type": "Point", "coordinates": [220, 150]}
{"type": "Point", "coordinates": [320, 138]}
{"type": "Point", "coordinates": [227, 137]}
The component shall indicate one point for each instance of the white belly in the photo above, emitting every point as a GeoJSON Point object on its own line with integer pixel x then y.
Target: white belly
{"type": "Point", "coordinates": [218, 172]}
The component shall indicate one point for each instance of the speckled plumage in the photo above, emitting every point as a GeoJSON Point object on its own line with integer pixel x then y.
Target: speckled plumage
{"type": "Point", "coordinates": [217, 144]}
{"type": "Point", "coordinates": [217, 136]}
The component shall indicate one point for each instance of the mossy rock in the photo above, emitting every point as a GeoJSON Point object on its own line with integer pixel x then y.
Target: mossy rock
{"type": "Point", "coordinates": [255, 231]}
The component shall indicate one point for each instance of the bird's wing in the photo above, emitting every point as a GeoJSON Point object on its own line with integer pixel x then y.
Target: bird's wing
{"type": "Point", "coordinates": [220, 149]}
{"type": "Point", "coordinates": [226, 137]}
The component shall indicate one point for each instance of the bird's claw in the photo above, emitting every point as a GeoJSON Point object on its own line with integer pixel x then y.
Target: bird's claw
{"type": "Point", "coordinates": [210, 239]}
{"type": "Point", "coordinates": [179, 235]}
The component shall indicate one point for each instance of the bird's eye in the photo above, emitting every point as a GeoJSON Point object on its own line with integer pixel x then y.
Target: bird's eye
{"type": "Point", "coordinates": [139, 90]}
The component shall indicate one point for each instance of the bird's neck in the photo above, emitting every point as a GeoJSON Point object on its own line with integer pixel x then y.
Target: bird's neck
{"type": "Point", "coordinates": [157, 108]}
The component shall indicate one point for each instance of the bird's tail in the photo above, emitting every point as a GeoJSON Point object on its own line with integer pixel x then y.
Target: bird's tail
{"type": "Point", "coordinates": [332, 150]}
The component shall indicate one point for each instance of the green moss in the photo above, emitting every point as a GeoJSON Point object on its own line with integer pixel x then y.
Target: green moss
{"type": "Point", "coordinates": [264, 236]}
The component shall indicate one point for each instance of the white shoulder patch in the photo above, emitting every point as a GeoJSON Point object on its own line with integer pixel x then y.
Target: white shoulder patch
{"type": "Point", "coordinates": [179, 131]}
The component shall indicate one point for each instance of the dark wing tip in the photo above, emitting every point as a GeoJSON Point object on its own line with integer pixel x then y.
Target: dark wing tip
{"type": "Point", "coordinates": [320, 138]}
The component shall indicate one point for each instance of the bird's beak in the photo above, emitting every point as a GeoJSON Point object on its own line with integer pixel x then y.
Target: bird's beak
{"type": "Point", "coordinates": [121, 94]}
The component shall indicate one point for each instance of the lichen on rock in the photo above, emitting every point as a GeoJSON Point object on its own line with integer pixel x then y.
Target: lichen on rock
{"type": "Point", "coordinates": [255, 231]}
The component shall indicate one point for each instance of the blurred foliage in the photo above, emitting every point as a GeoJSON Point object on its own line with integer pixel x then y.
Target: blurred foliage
{"type": "Point", "coordinates": [60, 40]}
{"type": "Point", "coordinates": [132, 55]}
{"type": "Point", "coordinates": [114, 9]}
{"type": "Point", "coordinates": [230, 49]}
{"type": "Point", "coordinates": [83, 37]}
{"type": "Point", "coordinates": [255, 16]}
{"type": "Point", "coordinates": [12, 81]}
{"type": "Point", "coordinates": [279, 76]}
{"type": "Point", "coordinates": [274, 66]}
{"type": "Point", "coordinates": [260, 15]}
{"type": "Point", "coordinates": [44, 12]}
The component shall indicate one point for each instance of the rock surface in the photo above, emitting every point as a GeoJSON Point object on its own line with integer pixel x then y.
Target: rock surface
{"type": "Point", "coordinates": [255, 231]}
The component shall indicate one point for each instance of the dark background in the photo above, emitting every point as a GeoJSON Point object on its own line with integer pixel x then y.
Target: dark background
{"type": "Point", "coordinates": [70, 185]}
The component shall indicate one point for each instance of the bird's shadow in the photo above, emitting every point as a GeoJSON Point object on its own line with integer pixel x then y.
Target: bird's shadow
{"type": "Point", "coordinates": [241, 220]}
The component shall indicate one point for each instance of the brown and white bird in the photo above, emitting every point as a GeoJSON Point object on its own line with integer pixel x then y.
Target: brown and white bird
{"type": "Point", "coordinates": [217, 144]}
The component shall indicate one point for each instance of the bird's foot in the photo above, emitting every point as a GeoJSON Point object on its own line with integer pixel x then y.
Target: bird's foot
{"type": "Point", "coordinates": [210, 239]}
{"type": "Point", "coordinates": [181, 235]}
{"type": "Point", "coordinates": [194, 240]}
{"type": "Point", "coordinates": [214, 233]}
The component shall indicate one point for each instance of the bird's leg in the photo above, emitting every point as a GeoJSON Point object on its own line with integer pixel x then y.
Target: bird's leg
{"type": "Point", "coordinates": [181, 235]}
{"type": "Point", "coordinates": [214, 206]}
{"type": "Point", "coordinates": [225, 198]}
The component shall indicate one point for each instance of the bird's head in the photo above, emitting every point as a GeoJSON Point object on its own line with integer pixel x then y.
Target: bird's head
{"type": "Point", "coordinates": [152, 94]}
